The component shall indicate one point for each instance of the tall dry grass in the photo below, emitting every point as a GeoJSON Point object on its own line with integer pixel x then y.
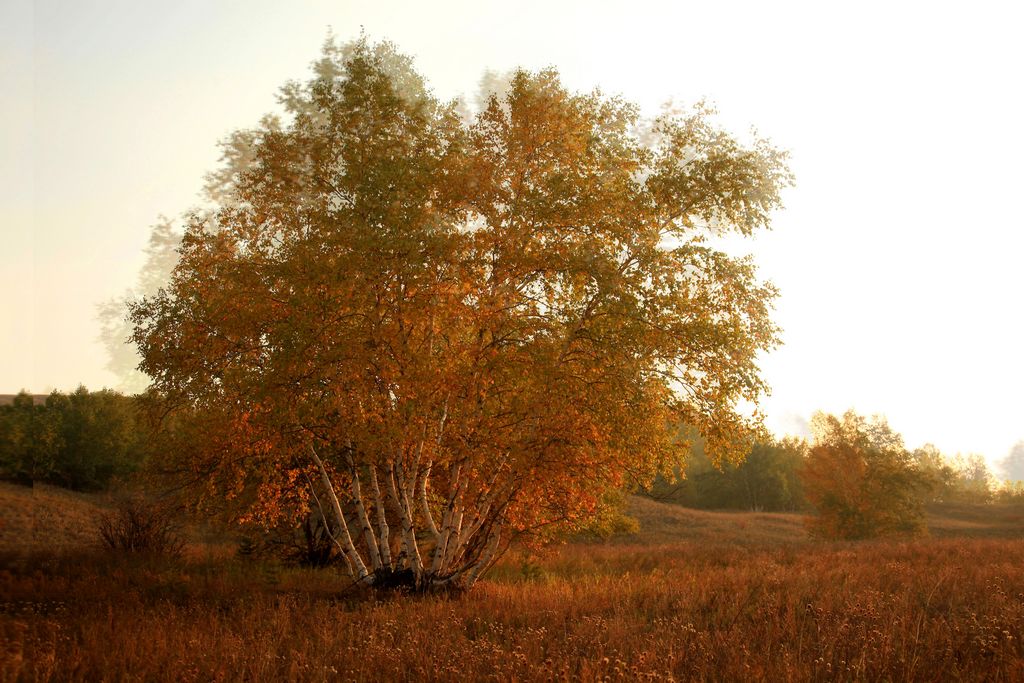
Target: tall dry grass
{"type": "Point", "coordinates": [924, 610]}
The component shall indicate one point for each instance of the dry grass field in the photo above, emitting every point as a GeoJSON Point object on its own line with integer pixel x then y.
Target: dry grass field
{"type": "Point", "coordinates": [45, 518]}
{"type": "Point", "coordinates": [691, 596]}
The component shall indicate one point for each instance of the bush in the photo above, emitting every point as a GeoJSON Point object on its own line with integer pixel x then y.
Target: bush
{"type": "Point", "coordinates": [861, 481]}
{"type": "Point", "coordinates": [136, 526]}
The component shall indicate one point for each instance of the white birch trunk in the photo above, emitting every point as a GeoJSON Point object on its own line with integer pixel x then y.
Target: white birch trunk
{"type": "Point", "coordinates": [364, 519]}
{"type": "Point", "coordinates": [482, 508]}
{"type": "Point", "coordinates": [410, 547]}
{"type": "Point", "coordinates": [425, 505]}
{"type": "Point", "coordinates": [421, 484]}
{"type": "Point", "coordinates": [382, 520]}
{"type": "Point", "coordinates": [452, 546]}
{"type": "Point", "coordinates": [446, 520]}
{"type": "Point", "coordinates": [327, 525]}
{"type": "Point", "coordinates": [490, 501]}
{"type": "Point", "coordinates": [348, 547]}
{"type": "Point", "coordinates": [486, 557]}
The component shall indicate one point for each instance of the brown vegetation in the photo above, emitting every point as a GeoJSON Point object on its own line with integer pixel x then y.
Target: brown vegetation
{"type": "Point", "coordinates": [45, 518]}
{"type": "Point", "coordinates": [692, 596]}
{"type": "Point", "coordinates": [995, 520]}
{"type": "Point", "coordinates": [140, 526]}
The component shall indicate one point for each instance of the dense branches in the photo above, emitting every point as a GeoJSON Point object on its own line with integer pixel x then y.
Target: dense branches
{"type": "Point", "coordinates": [448, 334]}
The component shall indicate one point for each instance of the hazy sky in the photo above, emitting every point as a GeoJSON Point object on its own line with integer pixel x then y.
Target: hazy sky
{"type": "Point", "coordinates": [898, 256]}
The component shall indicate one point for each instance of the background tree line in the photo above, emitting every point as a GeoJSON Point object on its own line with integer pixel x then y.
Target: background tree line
{"type": "Point", "coordinates": [768, 479]}
{"type": "Point", "coordinates": [854, 477]}
{"type": "Point", "coordinates": [81, 440]}
{"type": "Point", "coordinates": [84, 439]}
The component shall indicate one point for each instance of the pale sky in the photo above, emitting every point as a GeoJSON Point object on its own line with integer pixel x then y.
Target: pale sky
{"type": "Point", "coordinates": [898, 255]}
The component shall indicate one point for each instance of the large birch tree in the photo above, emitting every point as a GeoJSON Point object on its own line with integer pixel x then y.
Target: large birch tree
{"type": "Point", "coordinates": [446, 333]}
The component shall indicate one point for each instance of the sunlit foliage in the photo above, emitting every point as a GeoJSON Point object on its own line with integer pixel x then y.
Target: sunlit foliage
{"type": "Point", "coordinates": [449, 333]}
{"type": "Point", "coordinates": [861, 481]}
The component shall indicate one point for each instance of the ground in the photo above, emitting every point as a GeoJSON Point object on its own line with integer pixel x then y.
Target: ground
{"type": "Point", "coordinates": [691, 596]}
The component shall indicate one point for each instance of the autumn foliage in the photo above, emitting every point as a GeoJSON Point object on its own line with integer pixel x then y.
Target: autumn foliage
{"type": "Point", "coordinates": [861, 481]}
{"type": "Point", "coordinates": [446, 331]}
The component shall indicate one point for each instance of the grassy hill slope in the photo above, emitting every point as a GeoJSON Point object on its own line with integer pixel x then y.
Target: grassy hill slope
{"type": "Point", "coordinates": [998, 520]}
{"type": "Point", "coordinates": [49, 518]}
{"type": "Point", "coordinates": [46, 518]}
{"type": "Point", "coordinates": [668, 523]}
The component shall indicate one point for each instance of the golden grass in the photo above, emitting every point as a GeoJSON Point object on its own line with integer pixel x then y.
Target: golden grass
{"type": "Point", "coordinates": [45, 518]}
{"type": "Point", "coordinates": [997, 520]}
{"type": "Point", "coordinates": [924, 610]}
{"type": "Point", "coordinates": [664, 523]}
{"type": "Point", "coordinates": [754, 601]}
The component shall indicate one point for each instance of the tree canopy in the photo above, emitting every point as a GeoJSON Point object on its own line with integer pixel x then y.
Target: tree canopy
{"type": "Point", "coordinates": [453, 332]}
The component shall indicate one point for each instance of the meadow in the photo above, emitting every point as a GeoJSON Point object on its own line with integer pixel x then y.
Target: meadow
{"type": "Point", "coordinates": [690, 596]}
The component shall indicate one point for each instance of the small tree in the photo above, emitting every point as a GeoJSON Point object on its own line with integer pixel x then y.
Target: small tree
{"type": "Point", "coordinates": [861, 481]}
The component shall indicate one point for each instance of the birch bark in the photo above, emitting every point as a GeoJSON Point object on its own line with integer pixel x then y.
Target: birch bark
{"type": "Point", "coordinates": [349, 548]}
{"type": "Point", "coordinates": [383, 530]}
{"type": "Point", "coordinates": [364, 519]}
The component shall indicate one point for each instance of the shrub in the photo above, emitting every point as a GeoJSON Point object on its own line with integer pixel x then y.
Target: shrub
{"type": "Point", "coordinates": [861, 481]}
{"type": "Point", "coordinates": [137, 526]}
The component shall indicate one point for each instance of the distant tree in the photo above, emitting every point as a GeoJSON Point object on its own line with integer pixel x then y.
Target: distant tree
{"type": "Point", "coordinates": [767, 479]}
{"type": "Point", "coordinates": [974, 481]}
{"type": "Point", "coordinates": [1012, 466]}
{"type": "Point", "coordinates": [80, 440]}
{"type": "Point", "coordinates": [940, 471]}
{"type": "Point", "coordinates": [30, 440]}
{"type": "Point", "coordinates": [861, 481]}
{"type": "Point", "coordinates": [101, 437]}
{"type": "Point", "coordinates": [447, 335]}
{"type": "Point", "coordinates": [115, 329]}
